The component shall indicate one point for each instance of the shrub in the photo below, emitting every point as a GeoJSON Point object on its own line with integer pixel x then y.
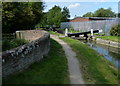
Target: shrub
{"type": "Point", "coordinates": [9, 44]}
{"type": "Point", "coordinates": [115, 30]}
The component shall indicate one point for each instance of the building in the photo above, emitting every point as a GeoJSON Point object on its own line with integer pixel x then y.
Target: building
{"type": "Point", "coordinates": [84, 24]}
{"type": "Point", "coordinates": [82, 19]}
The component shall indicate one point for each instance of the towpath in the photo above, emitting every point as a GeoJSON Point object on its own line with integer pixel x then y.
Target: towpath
{"type": "Point", "coordinates": [73, 64]}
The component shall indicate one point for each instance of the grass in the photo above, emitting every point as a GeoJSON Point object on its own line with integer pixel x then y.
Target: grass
{"type": "Point", "coordinates": [112, 38]}
{"type": "Point", "coordinates": [50, 70]}
{"type": "Point", "coordinates": [8, 44]}
{"type": "Point", "coordinates": [54, 33]}
{"type": "Point", "coordinates": [71, 30]}
{"type": "Point", "coordinates": [95, 68]}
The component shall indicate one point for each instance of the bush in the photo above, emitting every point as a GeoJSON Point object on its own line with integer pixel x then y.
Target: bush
{"type": "Point", "coordinates": [115, 30]}
{"type": "Point", "coordinates": [9, 44]}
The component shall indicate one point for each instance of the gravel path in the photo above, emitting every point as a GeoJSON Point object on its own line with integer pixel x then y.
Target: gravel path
{"type": "Point", "coordinates": [73, 64]}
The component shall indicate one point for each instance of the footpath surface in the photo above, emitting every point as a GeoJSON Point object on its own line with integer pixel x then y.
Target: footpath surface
{"type": "Point", "coordinates": [73, 64]}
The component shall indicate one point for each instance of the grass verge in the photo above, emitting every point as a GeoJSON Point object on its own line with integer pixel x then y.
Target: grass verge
{"type": "Point", "coordinates": [94, 67]}
{"type": "Point", "coordinates": [50, 70]}
{"type": "Point", "coordinates": [112, 38]}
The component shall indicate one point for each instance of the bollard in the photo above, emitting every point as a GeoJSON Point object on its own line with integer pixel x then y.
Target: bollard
{"type": "Point", "coordinates": [91, 32]}
{"type": "Point", "coordinates": [66, 31]}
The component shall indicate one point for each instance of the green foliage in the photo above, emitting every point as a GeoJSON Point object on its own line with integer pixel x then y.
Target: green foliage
{"type": "Point", "coordinates": [101, 13]}
{"type": "Point", "coordinates": [104, 13]}
{"type": "Point", "coordinates": [88, 14]}
{"type": "Point", "coordinates": [55, 16]}
{"type": "Point", "coordinates": [20, 15]}
{"type": "Point", "coordinates": [9, 44]}
{"type": "Point", "coordinates": [71, 30]}
{"type": "Point", "coordinates": [65, 14]}
{"type": "Point", "coordinates": [115, 30]}
{"type": "Point", "coordinates": [52, 69]}
{"type": "Point", "coordinates": [0, 11]}
{"type": "Point", "coordinates": [43, 22]}
{"type": "Point", "coordinates": [119, 15]}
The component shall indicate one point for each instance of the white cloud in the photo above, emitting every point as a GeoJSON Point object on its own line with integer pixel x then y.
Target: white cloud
{"type": "Point", "coordinates": [74, 5]}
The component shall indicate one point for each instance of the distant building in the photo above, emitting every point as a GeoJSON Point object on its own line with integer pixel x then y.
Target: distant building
{"type": "Point", "coordinates": [84, 24]}
{"type": "Point", "coordinates": [79, 19]}
{"type": "Point", "coordinates": [82, 19]}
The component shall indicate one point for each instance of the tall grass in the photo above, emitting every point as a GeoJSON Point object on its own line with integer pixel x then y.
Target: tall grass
{"type": "Point", "coordinates": [8, 44]}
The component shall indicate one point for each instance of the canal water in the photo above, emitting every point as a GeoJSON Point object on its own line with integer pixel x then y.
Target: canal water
{"type": "Point", "coordinates": [110, 53]}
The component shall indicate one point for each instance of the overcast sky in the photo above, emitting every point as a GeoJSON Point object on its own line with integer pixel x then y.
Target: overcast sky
{"type": "Point", "coordinates": [80, 8]}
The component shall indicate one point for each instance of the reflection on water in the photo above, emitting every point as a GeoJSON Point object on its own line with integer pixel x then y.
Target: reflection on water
{"type": "Point", "coordinates": [109, 53]}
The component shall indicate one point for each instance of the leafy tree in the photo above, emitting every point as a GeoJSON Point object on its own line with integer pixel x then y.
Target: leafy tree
{"type": "Point", "coordinates": [20, 15]}
{"type": "Point", "coordinates": [65, 14]}
{"type": "Point", "coordinates": [119, 15]}
{"type": "Point", "coordinates": [43, 21]}
{"type": "Point", "coordinates": [88, 14]}
{"type": "Point", "coordinates": [54, 16]}
{"type": "Point", "coordinates": [104, 13]}
{"type": "Point", "coordinates": [100, 13]}
{"type": "Point", "coordinates": [0, 11]}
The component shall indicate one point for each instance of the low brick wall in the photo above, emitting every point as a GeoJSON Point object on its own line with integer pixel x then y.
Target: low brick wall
{"type": "Point", "coordinates": [22, 57]}
{"type": "Point", "coordinates": [107, 42]}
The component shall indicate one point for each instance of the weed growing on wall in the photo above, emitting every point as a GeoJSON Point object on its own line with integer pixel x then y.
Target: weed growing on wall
{"type": "Point", "coordinates": [9, 44]}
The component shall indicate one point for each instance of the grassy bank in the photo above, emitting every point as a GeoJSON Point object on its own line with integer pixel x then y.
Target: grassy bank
{"type": "Point", "coordinates": [112, 38]}
{"type": "Point", "coordinates": [95, 68]}
{"type": "Point", "coordinates": [51, 70]}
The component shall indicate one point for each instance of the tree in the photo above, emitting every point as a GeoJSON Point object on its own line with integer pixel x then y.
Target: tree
{"type": "Point", "coordinates": [20, 15]}
{"type": "Point", "coordinates": [88, 14]}
{"type": "Point", "coordinates": [65, 14]}
{"type": "Point", "coordinates": [104, 13]}
{"type": "Point", "coordinates": [54, 16]}
{"type": "Point", "coordinates": [0, 11]}
{"type": "Point", "coordinates": [119, 15]}
{"type": "Point", "coordinates": [101, 13]}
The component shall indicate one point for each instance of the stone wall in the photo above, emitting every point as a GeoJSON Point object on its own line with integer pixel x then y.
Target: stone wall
{"type": "Point", "coordinates": [108, 43]}
{"type": "Point", "coordinates": [22, 57]}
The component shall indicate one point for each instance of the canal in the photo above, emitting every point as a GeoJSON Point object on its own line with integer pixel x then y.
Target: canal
{"type": "Point", "coordinates": [109, 53]}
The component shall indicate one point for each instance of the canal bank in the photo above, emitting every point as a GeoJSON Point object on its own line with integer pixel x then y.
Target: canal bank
{"type": "Point", "coordinates": [107, 42]}
{"type": "Point", "coordinates": [95, 68]}
{"type": "Point", "coordinates": [106, 48]}
{"type": "Point", "coordinates": [109, 53]}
